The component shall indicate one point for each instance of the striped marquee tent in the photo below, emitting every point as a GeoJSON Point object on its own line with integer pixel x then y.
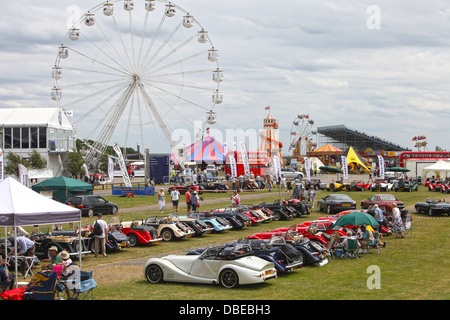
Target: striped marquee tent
{"type": "Point", "coordinates": [207, 150]}
{"type": "Point", "coordinates": [327, 149]}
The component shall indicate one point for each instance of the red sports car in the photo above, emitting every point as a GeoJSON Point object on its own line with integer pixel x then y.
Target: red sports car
{"type": "Point", "coordinates": [383, 201]}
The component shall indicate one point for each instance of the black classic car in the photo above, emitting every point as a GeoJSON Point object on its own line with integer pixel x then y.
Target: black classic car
{"type": "Point", "coordinates": [91, 205]}
{"type": "Point", "coordinates": [433, 206]}
{"type": "Point", "coordinates": [335, 203]}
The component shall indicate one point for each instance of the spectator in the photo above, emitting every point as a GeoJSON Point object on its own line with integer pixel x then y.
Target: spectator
{"type": "Point", "coordinates": [188, 197]}
{"type": "Point", "coordinates": [175, 195]}
{"type": "Point", "coordinates": [100, 240]}
{"type": "Point", "coordinates": [161, 200]}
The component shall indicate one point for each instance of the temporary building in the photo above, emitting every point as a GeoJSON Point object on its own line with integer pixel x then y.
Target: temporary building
{"type": "Point", "coordinates": [439, 168]}
{"type": "Point", "coordinates": [207, 150]}
{"type": "Point", "coordinates": [325, 150]}
{"type": "Point", "coordinates": [21, 206]}
{"type": "Point", "coordinates": [64, 187]}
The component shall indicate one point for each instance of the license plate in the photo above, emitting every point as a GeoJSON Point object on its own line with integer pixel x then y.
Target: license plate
{"type": "Point", "coordinates": [346, 204]}
{"type": "Point", "coordinates": [268, 272]}
{"type": "Point", "coordinates": [123, 244]}
{"type": "Point", "coordinates": [189, 235]}
{"type": "Point", "coordinates": [294, 268]}
{"type": "Point", "coordinates": [325, 255]}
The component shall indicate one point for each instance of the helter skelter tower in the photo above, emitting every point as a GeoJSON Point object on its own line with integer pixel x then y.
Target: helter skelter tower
{"type": "Point", "coordinates": [269, 140]}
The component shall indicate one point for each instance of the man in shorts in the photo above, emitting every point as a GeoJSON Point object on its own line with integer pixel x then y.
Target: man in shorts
{"type": "Point", "coordinates": [175, 194]}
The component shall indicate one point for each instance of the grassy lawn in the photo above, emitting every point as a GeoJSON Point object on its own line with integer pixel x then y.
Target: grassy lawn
{"type": "Point", "coordinates": [414, 268]}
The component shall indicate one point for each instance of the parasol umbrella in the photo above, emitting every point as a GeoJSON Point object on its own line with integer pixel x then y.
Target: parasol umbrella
{"type": "Point", "coordinates": [330, 169]}
{"type": "Point", "coordinates": [397, 169]}
{"type": "Point", "coordinates": [356, 218]}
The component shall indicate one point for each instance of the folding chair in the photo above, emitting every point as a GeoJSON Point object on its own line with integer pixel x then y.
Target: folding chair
{"type": "Point", "coordinates": [79, 288]}
{"type": "Point", "coordinates": [44, 285]}
{"type": "Point", "coordinates": [408, 226]}
{"type": "Point", "coordinates": [352, 248]}
{"type": "Point", "coordinates": [331, 245]}
{"type": "Point", "coordinates": [374, 243]}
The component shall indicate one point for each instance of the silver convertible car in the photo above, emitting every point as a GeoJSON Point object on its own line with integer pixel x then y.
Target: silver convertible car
{"type": "Point", "coordinates": [227, 266]}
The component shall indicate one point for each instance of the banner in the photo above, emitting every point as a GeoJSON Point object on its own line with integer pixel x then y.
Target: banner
{"type": "Point", "coordinates": [23, 175]}
{"type": "Point", "coordinates": [307, 168]}
{"type": "Point", "coordinates": [277, 167]}
{"type": "Point", "coordinates": [233, 165]}
{"type": "Point", "coordinates": [381, 166]}
{"type": "Point", "coordinates": [344, 166]}
{"type": "Point", "coordinates": [110, 168]}
{"type": "Point", "coordinates": [1, 164]}
{"type": "Point", "coordinates": [244, 156]}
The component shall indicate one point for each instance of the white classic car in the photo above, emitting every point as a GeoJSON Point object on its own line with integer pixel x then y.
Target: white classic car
{"type": "Point", "coordinates": [227, 266]}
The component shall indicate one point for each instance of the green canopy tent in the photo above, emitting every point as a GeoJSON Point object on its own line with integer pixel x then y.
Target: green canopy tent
{"type": "Point", "coordinates": [397, 169]}
{"type": "Point", "coordinates": [330, 169]}
{"type": "Point", "coordinates": [64, 187]}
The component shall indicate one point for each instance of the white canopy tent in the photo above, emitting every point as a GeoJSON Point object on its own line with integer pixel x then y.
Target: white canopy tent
{"type": "Point", "coordinates": [21, 206]}
{"type": "Point", "coordinates": [439, 168]}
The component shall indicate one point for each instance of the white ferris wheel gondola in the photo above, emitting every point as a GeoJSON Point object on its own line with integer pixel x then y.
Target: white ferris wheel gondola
{"type": "Point", "coordinates": [136, 74]}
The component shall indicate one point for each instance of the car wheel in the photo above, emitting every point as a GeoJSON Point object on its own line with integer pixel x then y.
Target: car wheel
{"type": "Point", "coordinates": [114, 210]}
{"type": "Point", "coordinates": [229, 279]}
{"type": "Point", "coordinates": [276, 215]}
{"type": "Point", "coordinates": [132, 238]}
{"type": "Point", "coordinates": [90, 213]}
{"type": "Point", "coordinates": [154, 274]}
{"type": "Point", "coordinates": [167, 235]}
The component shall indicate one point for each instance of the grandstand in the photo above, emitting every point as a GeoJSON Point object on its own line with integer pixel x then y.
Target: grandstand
{"type": "Point", "coordinates": [343, 137]}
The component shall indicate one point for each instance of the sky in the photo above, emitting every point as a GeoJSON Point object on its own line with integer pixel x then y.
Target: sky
{"type": "Point", "coordinates": [377, 66]}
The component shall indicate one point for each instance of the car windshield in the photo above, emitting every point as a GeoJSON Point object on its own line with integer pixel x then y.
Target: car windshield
{"type": "Point", "coordinates": [340, 197]}
{"type": "Point", "coordinates": [387, 197]}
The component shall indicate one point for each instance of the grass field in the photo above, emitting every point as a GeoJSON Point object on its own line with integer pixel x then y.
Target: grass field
{"type": "Point", "coordinates": [414, 268]}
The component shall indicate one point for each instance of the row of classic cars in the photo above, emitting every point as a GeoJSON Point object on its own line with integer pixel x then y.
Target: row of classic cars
{"type": "Point", "coordinates": [438, 185]}
{"type": "Point", "coordinates": [378, 185]}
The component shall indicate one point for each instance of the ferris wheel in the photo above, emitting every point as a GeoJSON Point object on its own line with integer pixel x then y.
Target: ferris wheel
{"type": "Point", "coordinates": [302, 136]}
{"type": "Point", "coordinates": [135, 72]}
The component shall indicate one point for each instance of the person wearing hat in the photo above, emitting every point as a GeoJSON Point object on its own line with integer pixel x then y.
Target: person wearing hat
{"type": "Point", "coordinates": [194, 201]}
{"type": "Point", "coordinates": [54, 257]}
{"type": "Point", "coordinates": [100, 240]}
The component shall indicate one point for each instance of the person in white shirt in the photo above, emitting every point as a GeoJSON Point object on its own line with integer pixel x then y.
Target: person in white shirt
{"type": "Point", "coordinates": [101, 239]}
{"type": "Point", "coordinates": [175, 194]}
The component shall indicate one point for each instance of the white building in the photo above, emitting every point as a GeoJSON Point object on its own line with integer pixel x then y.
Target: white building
{"type": "Point", "coordinates": [46, 130]}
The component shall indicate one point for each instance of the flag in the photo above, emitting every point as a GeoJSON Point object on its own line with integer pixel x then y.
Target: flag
{"type": "Point", "coordinates": [381, 166]}
{"type": "Point", "coordinates": [23, 175]}
{"type": "Point", "coordinates": [110, 168]}
{"type": "Point", "coordinates": [344, 166]}
{"type": "Point", "coordinates": [232, 165]}
{"type": "Point", "coordinates": [244, 156]}
{"type": "Point", "coordinates": [307, 168]}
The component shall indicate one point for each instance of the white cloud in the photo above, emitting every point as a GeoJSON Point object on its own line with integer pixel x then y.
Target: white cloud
{"type": "Point", "coordinates": [298, 56]}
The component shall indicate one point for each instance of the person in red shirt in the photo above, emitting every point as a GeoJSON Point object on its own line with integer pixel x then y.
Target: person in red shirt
{"type": "Point", "coordinates": [188, 197]}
